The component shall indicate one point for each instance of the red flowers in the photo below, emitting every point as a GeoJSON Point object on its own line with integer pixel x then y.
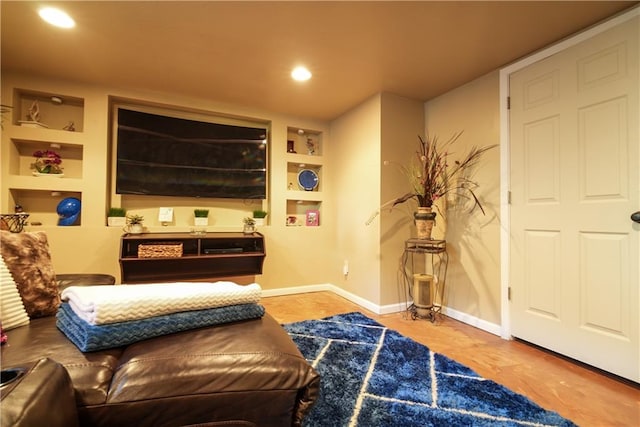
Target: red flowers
{"type": "Point", "coordinates": [47, 161]}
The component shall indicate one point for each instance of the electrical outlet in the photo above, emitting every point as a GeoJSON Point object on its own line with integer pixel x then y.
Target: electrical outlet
{"type": "Point", "coordinates": [345, 267]}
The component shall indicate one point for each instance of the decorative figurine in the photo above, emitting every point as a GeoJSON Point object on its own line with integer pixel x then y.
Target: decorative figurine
{"type": "Point", "coordinates": [311, 147]}
{"type": "Point", "coordinates": [34, 111]}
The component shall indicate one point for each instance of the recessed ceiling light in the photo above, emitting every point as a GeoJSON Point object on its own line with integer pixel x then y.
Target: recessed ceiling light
{"type": "Point", "coordinates": [56, 17]}
{"type": "Point", "coordinates": [301, 74]}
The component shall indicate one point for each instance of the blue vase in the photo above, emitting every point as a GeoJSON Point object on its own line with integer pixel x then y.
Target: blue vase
{"type": "Point", "coordinates": [68, 210]}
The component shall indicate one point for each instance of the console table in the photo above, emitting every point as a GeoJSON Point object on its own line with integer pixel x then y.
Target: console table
{"type": "Point", "coordinates": [189, 256]}
{"type": "Point", "coordinates": [424, 268]}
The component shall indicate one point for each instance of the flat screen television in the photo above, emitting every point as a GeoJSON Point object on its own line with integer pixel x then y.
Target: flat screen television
{"type": "Point", "coordinates": [168, 156]}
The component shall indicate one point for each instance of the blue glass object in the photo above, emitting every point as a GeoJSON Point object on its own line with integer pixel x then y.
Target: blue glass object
{"type": "Point", "coordinates": [68, 210]}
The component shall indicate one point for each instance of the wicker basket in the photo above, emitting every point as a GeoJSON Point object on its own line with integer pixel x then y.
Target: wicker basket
{"type": "Point", "coordinates": [160, 250]}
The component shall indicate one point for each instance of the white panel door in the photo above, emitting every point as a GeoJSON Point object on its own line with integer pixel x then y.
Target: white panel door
{"type": "Point", "coordinates": [574, 130]}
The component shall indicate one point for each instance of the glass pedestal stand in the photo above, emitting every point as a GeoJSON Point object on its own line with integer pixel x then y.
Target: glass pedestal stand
{"type": "Point", "coordinates": [424, 271]}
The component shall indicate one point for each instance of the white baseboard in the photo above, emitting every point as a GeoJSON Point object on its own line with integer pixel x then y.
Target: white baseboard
{"type": "Point", "coordinates": [324, 287]}
{"type": "Point", "coordinates": [492, 328]}
{"type": "Point", "coordinates": [378, 309]}
{"type": "Point", "coordinates": [296, 290]}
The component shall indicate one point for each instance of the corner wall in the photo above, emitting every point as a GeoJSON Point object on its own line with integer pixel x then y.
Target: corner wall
{"type": "Point", "coordinates": [382, 129]}
{"type": "Point", "coordinates": [355, 165]}
{"type": "Point", "coordinates": [402, 122]}
{"type": "Point", "coordinates": [473, 239]}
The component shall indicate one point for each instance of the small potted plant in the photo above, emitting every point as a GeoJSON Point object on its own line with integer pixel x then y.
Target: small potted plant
{"type": "Point", "coordinates": [201, 217]}
{"type": "Point", "coordinates": [117, 217]}
{"type": "Point", "coordinates": [259, 215]}
{"type": "Point", "coordinates": [200, 220]}
{"type": "Point", "coordinates": [249, 225]}
{"type": "Point", "coordinates": [134, 224]}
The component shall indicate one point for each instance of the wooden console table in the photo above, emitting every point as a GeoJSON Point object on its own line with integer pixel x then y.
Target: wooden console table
{"type": "Point", "coordinates": [203, 256]}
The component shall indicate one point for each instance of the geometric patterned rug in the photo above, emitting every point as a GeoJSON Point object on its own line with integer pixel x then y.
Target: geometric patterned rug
{"type": "Point", "coordinates": [372, 376]}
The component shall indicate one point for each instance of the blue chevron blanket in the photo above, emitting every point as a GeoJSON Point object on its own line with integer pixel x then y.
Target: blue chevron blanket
{"type": "Point", "coordinates": [89, 337]}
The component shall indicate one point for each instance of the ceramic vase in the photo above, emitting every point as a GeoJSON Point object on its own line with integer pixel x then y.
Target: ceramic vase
{"type": "Point", "coordinates": [201, 221]}
{"type": "Point", "coordinates": [424, 219]}
{"type": "Point", "coordinates": [116, 221]}
{"type": "Point", "coordinates": [134, 228]}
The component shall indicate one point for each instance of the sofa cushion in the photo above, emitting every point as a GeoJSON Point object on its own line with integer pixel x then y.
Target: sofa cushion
{"type": "Point", "coordinates": [247, 355]}
{"type": "Point", "coordinates": [249, 370]}
{"type": "Point", "coordinates": [12, 312]}
{"type": "Point", "coordinates": [28, 259]}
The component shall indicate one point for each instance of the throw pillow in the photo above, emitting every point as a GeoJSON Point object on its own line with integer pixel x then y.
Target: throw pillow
{"type": "Point", "coordinates": [28, 259]}
{"type": "Point", "coordinates": [12, 313]}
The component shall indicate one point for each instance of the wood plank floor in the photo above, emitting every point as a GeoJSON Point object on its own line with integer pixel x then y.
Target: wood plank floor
{"type": "Point", "coordinates": [583, 395]}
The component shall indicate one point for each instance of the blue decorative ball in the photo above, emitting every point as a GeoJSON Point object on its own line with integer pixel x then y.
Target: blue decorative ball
{"type": "Point", "coordinates": [68, 210]}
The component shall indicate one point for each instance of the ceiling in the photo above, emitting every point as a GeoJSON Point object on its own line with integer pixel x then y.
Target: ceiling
{"type": "Point", "coordinates": [242, 52]}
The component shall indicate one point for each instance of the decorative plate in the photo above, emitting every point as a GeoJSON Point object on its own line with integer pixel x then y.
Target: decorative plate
{"type": "Point", "coordinates": [307, 179]}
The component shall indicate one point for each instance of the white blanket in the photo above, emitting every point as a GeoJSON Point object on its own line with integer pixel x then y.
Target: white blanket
{"type": "Point", "coordinates": [99, 305]}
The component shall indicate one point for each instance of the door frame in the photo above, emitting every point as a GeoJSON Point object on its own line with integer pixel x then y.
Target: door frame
{"type": "Point", "coordinates": [505, 183]}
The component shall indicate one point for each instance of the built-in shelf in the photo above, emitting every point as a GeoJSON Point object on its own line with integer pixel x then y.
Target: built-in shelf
{"type": "Point", "coordinates": [294, 168]}
{"type": "Point", "coordinates": [304, 207]}
{"type": "Point", "coordinates": [42, 205]}
{"type": "Point", "coordinates": [298, 212]}
{"type": "Point", "coordinates": [57, 111]}
{"type": "Point", "coordinates": [59, 128]}
{"type": "Point", "coordinates": [304, 141]}
{"type": "Point", "coordinates": [22, 158]}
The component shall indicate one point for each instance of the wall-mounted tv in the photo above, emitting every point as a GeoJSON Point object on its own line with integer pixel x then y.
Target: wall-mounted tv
{"type": "Point", "coordinates": [168, 156]}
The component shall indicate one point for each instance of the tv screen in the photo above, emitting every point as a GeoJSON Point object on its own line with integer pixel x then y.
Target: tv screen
{"type": "Point", "coordinates": [167, 156]}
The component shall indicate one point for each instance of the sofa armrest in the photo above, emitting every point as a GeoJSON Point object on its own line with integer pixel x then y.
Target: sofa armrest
{"type": "Point", "coordinates": [42, 395]}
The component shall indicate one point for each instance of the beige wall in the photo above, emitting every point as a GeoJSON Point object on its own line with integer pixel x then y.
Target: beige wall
{"type": "Point", "coordinates": [402, 122]}
{"type": "Point", "coordinates": [473, 239]}
{"type": "Point", "coordinates": [355, 165]}
{"type": "Point", "coordinates": [295, 256]}
{"type": "Point", "coordinates": [383, 128]}
{"type": "Point", "coordinates": [355, 183]}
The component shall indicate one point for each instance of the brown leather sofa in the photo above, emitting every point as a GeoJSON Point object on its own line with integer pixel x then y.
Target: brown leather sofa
{"type": "Point", "coordinates": [247, 373]}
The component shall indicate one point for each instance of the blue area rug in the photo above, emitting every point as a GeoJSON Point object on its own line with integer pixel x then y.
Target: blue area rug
{"type": "Point", "coordinates": [374, 377]}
